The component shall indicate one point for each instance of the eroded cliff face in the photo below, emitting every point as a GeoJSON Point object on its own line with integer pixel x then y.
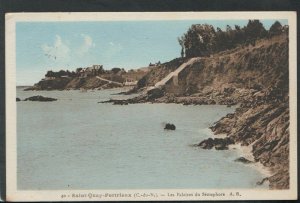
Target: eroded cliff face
{"type": "Point", "coordinates": [266, 128]}
{"type": "Point", "coordinates": [256, 78]}
{"type": "Point", "coordinates": [253, 68]}
{"type": "Point", "coordinates": [158, 72]}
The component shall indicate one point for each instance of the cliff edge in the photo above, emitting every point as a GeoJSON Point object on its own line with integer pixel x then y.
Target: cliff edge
{"type": "Point", "coordinates": [256, 77]}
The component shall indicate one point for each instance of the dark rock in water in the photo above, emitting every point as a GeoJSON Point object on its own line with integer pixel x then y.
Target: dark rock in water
{"type": "Point", "coordinates": [230, 115]}
{"type": "Point", "coordinates": [115, 102]}
{"type": "Point", "coordinates": [40, 98]}
{"type": "Point", "coordinates": [221, 147]}
{"type": "Point", "coordinates": [120, 102]}
{"type": "Point", "coordinates": [18, 99]}
{"type": "Point", "coordinates": [243, 160]}
{"type": "Point", "coordinates": [218, 143]}
{"type": "Point", "coordinates": [207, 144]}
{"type": "Point", "coordinates": [227, 141]}
{"type": "Point", "coordinates": [30, 88]}
{"type": "Point", "coordinates": [170, 126]}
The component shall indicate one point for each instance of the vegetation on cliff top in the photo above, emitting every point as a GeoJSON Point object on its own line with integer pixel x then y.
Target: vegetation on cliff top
{"type": "Point", "coordinates": [203, 39]}
{"type": "Point", "coordinates": [94, 77]}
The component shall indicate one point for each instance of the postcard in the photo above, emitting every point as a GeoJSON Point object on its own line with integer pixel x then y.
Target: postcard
{"type": "Point", "coordinates": [151, 106]}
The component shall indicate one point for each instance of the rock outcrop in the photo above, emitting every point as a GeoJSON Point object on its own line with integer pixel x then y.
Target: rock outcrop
{"type": "Point", "coordinates": [243, 160]}
{"type": "Point", "coordinates": [170, 126]}
{"type": "Point", "coordinates": [218, 143]}
{"type": "Point", "coordinates": [267, 126]}
{"type": "Point", "coordinates": [40, 98]}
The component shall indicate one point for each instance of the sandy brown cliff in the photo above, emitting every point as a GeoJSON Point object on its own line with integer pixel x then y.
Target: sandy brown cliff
{"type": "Point", "coordinates": [256, 77]}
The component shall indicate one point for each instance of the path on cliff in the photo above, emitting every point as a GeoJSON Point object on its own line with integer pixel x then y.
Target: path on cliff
{"type": "Point", "coordinates": [175, 73]}
{"type": "Point", "coordinates": [109, 81]}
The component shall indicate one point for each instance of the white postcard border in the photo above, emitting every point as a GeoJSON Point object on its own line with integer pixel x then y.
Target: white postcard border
{"type": "Point", "coordinates": [112, 195]}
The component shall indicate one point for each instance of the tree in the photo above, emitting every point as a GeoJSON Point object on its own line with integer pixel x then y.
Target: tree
{"type": "Point", "coordinates": [192, 43]}
{"type": "Point", "coordinates": [220, 40]}
{"type": "Point", "coordinates": [239, 35]}
{"type": "Point", "coordinates": [203, 40]}
{"type": "Point", "coordinates": [100, 70]}
{"type": "Point", "coordinates": [116, 70]}
{"type": "Point", "coordinates": [199, 40]}
{"type": "Point", "coordinates": [182, 53]}
{"type": "Point", "coordinates": [230, 37]}
{"type": "Point", "coordinates": [254, 30]}
{"type": "Point", "coordinates": [62, 73]}
{"type": "Point", "coordinates": [50, 73]}
{"type": "Point", "coordinates": [275, 29]}
{"type": "Point", "coordinates": [181, 42]}
{"type": "Point", "coordinates": [237, 27]}
{"type": "Point", "coordinates": [78, 70]}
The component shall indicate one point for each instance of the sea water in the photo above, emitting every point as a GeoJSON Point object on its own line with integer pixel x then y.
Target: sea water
{"type": "Point", "coordinates": [78, 143]}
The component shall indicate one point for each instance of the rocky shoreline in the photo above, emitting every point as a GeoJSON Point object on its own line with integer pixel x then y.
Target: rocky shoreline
{"type": "Point", "coordinates": [253, 78]}
{"type": "Point", "coordinates": [261, 121]}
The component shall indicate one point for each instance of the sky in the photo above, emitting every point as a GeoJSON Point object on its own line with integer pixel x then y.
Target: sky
{"type": "Point", "coordinates": [43, 46]}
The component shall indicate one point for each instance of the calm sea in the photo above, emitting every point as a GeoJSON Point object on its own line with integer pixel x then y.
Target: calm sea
{"type": "Point", "coordinates": [77, 143]}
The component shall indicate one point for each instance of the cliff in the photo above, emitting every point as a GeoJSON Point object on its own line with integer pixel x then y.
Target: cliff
{"type": "Point", "coordinates": [256, 77]}
{"type": "Point", "coordinates": [233, 74]}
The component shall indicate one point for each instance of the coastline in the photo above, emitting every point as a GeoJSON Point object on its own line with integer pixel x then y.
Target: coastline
{"type": "Point", "coordinates": [221, 129]}
{"type": "Point", "coordinates": [241, 129]}
{"type": "Point", "coordinates": [245, 151]}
